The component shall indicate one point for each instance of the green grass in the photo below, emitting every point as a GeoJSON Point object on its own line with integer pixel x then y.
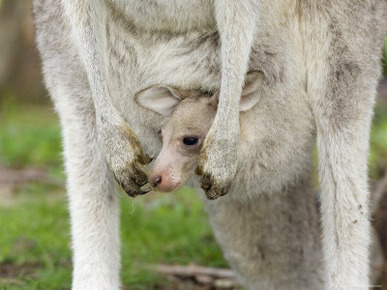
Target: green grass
{"type": "Point", "coordinates": [35, 238]}
{"type": "Point", "coordinates": [378, 153]}
{"type": "Point", "coordinates": [162, 228]}
{"type": "Point", "coordinates": [169, 229]}
{"type": "Point", "coordinates": [34, 232]}
{"type": "Point", "coordinates": [29, 136]}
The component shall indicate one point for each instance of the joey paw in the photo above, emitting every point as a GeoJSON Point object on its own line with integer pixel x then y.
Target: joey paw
{"type": "Point", "coordinates": [125, 157]}
{"type": "Point", "coordinates": [217, 168]}
{"type": "Point", "coordinates": [211, 187]}
{"type": "Point", "coordinates": [132, 178]}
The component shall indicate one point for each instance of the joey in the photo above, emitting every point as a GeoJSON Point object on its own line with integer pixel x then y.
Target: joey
{"type": "Point", "coordinates": [188, 117]}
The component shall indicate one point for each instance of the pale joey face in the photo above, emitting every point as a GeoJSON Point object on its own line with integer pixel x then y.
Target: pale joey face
{"type": "Point", "coordinates": [182, 135]}
{"type": "Point", "coordinates": [189, 115]}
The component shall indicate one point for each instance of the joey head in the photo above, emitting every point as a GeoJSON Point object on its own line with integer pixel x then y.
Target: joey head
{"type": "Point", "coordinates": [189, 115]}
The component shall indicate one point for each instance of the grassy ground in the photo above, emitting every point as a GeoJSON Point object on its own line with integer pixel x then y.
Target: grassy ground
{"type": "Point", "coordinates": [34, 234]}
{"type": "Point", "coordinates": [35, 241]}
{"type": "Point", "coordinates": [162, 228]}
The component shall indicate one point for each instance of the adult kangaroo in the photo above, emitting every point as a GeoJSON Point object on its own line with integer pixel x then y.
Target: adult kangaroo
{"type": "Point", "coordinates": [323, 56]}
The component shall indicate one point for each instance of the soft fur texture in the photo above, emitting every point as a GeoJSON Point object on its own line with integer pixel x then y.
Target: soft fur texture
{"type": "Point", "coordinates": [293, 214]}
{"type": "Point", "coordinates": [321, 61]}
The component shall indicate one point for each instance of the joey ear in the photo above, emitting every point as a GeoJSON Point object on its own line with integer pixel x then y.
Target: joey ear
{"type": "Point", "coordinates": [251, 90]}
{"type": "Point", "coordinates": [161, 100]}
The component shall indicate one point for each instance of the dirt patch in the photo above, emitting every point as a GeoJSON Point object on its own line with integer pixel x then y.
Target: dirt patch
{"type": "Point", "coordinates": [11, 179]}
{"type": "Point", "coordinates": [11, 273]}
{"type": "Point", "coordinates": [197, 277]}
{"type": "Point", "coordinates": [16, 176]}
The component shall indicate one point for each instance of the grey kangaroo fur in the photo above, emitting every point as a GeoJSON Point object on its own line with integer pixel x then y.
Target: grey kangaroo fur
{"type": "Point", "coordinates": [188, 116]}
{"type": "Point", "coordinates": [321, 62]}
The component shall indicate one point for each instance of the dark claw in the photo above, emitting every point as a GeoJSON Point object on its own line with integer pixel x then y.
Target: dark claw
{"type": "Point", "coordinates": [130, 192]}
{"type": "Point", "coordinates": [145, 159]}
{"type": "Point", "coordinates": [139, 177]}
{"type": "Point", "coordinates": [213, 191]}
{"type": "Point", "coordinates": [199, 171]}
{"type": "Point", "coordinates": [206, 182]}
{"type": "Point", "coordinates": [141, 183]}
{"type": "Point", "coordinates": [142, 192]}
{"type": "Point", "coordinates": [206, 186]}
{"type": "Point", "coordinates": [129, 186]}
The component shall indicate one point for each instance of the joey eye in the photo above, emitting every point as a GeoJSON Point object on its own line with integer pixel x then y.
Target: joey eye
{"type": "Point", "coordinates": [189, 141]}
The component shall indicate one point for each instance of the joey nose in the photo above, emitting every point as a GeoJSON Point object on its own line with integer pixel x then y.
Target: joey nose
{"type": "Point", "coordinates": [163, 181]}
{"type": "Point", "coordinates": [157, 181]}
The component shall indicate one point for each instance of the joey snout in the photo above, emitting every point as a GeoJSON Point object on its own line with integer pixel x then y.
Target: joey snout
{"type": "Point", "coordinates": [165, 176]}
{"type": "Point", "coordinates": [164, 181]}
{"type": "Point", "coordinates": [171, 169]}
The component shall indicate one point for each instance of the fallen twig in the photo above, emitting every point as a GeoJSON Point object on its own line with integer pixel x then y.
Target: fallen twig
{"type": "Point", "coordinates": [20, 176]}
{"type": "Point", "coordinates": [211, 278]}
{"type": "Point", "coordinates": [192, 270]}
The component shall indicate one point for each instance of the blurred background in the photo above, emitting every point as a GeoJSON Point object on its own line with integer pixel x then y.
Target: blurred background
{"type": "Point", "coordinates": [34, 228]}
